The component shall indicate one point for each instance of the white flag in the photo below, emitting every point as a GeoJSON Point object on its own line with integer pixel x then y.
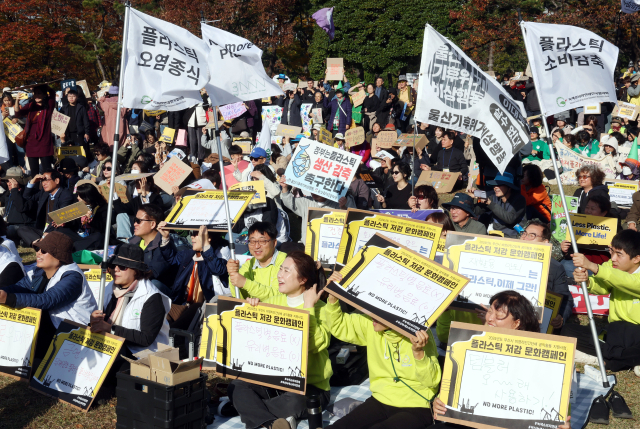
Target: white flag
{"type": "Point", "coordinates": [236, 68]}
{"type": "Point", "coordinates": [572, 67]}
{"type": "Point", "coordinates": [4, 150]}
{"type": "Point", "coordinates": [630, 6]}
{"type": "Point", "coordinates": [455, 93]}
{"type": "Point", "coordinates": [166, 66]}
{"type": "Point", "coordinates": [265, 140]}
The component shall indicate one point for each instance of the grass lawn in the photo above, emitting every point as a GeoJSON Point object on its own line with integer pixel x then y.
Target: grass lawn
{"type": "Point", "coordinates": [21, 407]}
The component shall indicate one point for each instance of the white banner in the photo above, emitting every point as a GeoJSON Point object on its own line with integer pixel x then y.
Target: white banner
{"type": "Point", "coordinates": [455, 93]}
{"type": "Point", "coordinates": [572, 161]}
{"type": "Point", "coordinates": [630, 6]}
{"type": "Point", "coordinates": [166, 66]}
{"type": "Point", "coordinates": [572, 67]}
{"type": "Point", "coordinates": [237, 65]}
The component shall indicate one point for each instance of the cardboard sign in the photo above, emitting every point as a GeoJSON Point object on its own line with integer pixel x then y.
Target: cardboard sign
{"type": "Point", "coordinates": [256, 186]}
{"type": "Point", "coordinates": [59, 123]}
{"type": "Point", "coordinates": [232, 111]}
{"type": "Point", "coordinates": [85, 88]}
{"type": "Point", "coordinates": [361, 225]}
{"type": "Point", "coordinates": [93, 275]}
{"type": "Point", "coordinates": [209, 337]}
{"type": "Point", "coordinates": [288, 131]}
{"type": "Point", "coordinates": [494, 264]}
{"type": "Point", "coordinates": [167, 135]}
{"type": "Point", "coordinates": [324, 136]}
{"type": "Point", "coordinates": [65, 151]}
{"type": "Point", "coordinates": [290, 87]}
{"type": "Point", "coordinates": [386, 139]}
{"type": "Point", "coordinates": [197, 208]}
{"type": "Point", "coordinates": [69, 213]}
{"type": "Point", "coordinates": [408, 214]}
{"type": "Point", "coordinates": [358, 97]}
{"type": "Point", "coordinates": [172, 173]}
{"type": "Point", "coordinates": [245, 145]}
{"type": "Point", "coordinates": [559, 221]}
{"type": "Point", "coordinates": [11, 129]}
{"type": "Point", "coordinates": [442, 182]}
{"type": "Point", "coordinates": [551, 309]}
{"type": "Point", "coordinates": [626, 110]}
{"type": "Point", "coordinates": [316, 116]}
{"type": "Point", "coordinates": [335, 69]}
{"type": "Point", "coordinates": [621, 191]}
{"type": "Point", "coordinates": [120, 190]}
{"type": "Point", "coordinates": [76, 364]}
{"type": "Point", "coordinates": [324, 230]}
{"type": "Point", "coordinates": [354, 136]}
{"type": "Point", "coordinates": [18, 333]}
{"type": "Point", "coordinates": [322, 170]}
{"type": "Point", "coordinates": [593, 232]}
{"type": "Point", "coordinates": [243, 333]}
{"type": "Point", "coordinates": [592, 109]}
{"type": "Point", "coordinates": [419, 140]}
{"type": "Point", "coordinates": [127, 177]}
{"type": "Point", "coordinates": [390, 282]}
{"type": "Point", "coordinates": [505, 378]}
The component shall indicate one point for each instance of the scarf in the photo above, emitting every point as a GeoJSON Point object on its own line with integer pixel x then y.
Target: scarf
{"type": "Point", "coordinates": [120, 294]}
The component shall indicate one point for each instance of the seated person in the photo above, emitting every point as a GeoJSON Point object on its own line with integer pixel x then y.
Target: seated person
{"type": "Point", "coordinates": [57, 286]}
{"type": "Point", "coordinates": [462, 214]}
{"type": "Point", "coordinates": [591, 180]}
{"type": "Point", "coordinates": [540, 148]}
{"type": "Point", "coordinates": [535, 193]}
{"type": "Point", "coordinates": [634, 212]}
{"type": "Point", "coordinates": [390, 357]}
{"type": "Point", "coordinates": [134, 308]}
{"type": "Point", "coordinates": [258, 406]}
{"type": "Point", "coordinates": [5, 242]}
{"type": "Point", "coordinates": [258, 156]}
{"type": "Point", "coordinates": [94, 224]}
{"type": "Point", "coordinates": [262, 268]}
{"type": "Point", "coordinates": [504, 205]}
{"type": "Point", "coordinates": [11, 268]}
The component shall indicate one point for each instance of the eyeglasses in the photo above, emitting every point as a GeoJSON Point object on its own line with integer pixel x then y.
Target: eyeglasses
{"type": "Point", "coordinates": [120, 267]}
{"type": "Point", "coordinates": [107, 168]}
{"type": "Point", "coordinates": [533, 235]}
{"type": "Point", "coordinates": [584, 177]}
{"type": "Point", "coordinates": [261, 242]}
{"type": "Point", "coordinates": [138, 220]}
{"type": "Point", "coordinates": [395, 172]}
{"type": "Point", "coordinates": [39, 249]}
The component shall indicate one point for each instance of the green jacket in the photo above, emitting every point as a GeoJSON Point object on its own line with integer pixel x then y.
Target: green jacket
{"type": "Point", "coordinates": [266, 277]}
{"type": "Point", "coordinates": [543, 151]}
{"type": "Point", "coordinates": [126, 157]}
{"type": "Point", "coordinates": [624, 303]}
{"type": "Point", "coordinates": [422, 375]}
{"type": "Point", "coordinates": [595, 148]}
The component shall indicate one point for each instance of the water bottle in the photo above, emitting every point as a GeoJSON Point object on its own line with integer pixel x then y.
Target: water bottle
{"type": "Point", "coordinates": [314, 410]}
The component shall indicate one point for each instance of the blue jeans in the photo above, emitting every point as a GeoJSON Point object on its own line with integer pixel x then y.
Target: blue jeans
{"type": "Point", "coordinates": [124, 227]}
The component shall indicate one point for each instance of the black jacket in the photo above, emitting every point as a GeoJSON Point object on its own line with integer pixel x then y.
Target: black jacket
{"type": "Point", "coordinates": [19, 210]}
{"type": "Point", "coordinates": [154, 259]}
{"type": "Point", "coordinates": [558, 283]}
{"type": "Point", "coordinates": [63, 198]}
{"type": "Point", "coordinates": [309, 96]}
{"type": "Point", "coordinates": [325, 110]}
{"type": "Point", "coordinates": [384, 94]}
{"type": "Point", "coordinates": [295, 120]}
{"type": "Point", "coordinates": [583, 197]}
{"type": "Point", "coordinates": [371, 104]}
{"type": "Point", "coordinates": [82, 119]}
{"type": "Point", "coordinates": [453, 159]}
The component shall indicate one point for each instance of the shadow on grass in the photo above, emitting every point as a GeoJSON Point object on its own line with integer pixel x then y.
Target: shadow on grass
{"type": "Point", "coordinates": [19, 405]}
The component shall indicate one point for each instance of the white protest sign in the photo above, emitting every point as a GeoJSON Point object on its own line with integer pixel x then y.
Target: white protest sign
{"type": "Point", "coordinates": [232, 111]}
{"type": "Point", "coordinates": [455, 93]}
{"type": "Point", "coordinates": [18, 333]}
{"type": "Point", "coordinates": [316, 116]}
{"type": "Point", "coordinates": [197, 208]}
{"type": "Point", "coordinates": [571, 66]}
{"type": "Point", "coordinates": [572, 161]}
{"type": "Point", "coordinates": [322, 169]}
{"type": "Point", "coordinates": [621, 191]}
{"type": "Point", "coordinates": [59, 123]}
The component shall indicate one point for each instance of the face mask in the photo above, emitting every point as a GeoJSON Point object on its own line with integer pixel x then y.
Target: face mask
{"type": "Point", "coordinates": [135, 171]}
{"type": "Point", "coordinates": [626, 171]}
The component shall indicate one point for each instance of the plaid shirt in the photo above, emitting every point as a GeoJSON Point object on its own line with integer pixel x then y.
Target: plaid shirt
{"type": "Point", "coordinates": [95, 121]}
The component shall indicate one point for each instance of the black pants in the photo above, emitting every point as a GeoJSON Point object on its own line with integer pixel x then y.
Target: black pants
{"type": "Point", "coordinates": [258, 405]}
{"type": "Point", "coordinates": [34, 164]}
{"type": "Point", "coordinates": [373, 414]}
{"type": "Point", "coordinates": [620, 349]}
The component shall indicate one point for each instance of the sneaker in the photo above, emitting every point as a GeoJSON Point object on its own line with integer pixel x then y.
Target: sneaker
{"type": "Point", "coordinates": [581, 357]}
{"type": "Point", "coordinates": [599, 413]}
{"type": "Point", "coordinates": [636, 370]}
{"type": "Point", "coordinates": [618, 406]}
{"type": "Point", "coordinates": [282, 424]}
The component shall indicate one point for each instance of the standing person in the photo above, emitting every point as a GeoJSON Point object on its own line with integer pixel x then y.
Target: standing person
{"type": "Point", "coordinates": [77, 132]}
{"type": "Point", "coordinates": [450, 159]}
{"type": "Point", "coordinates": [318, 103]}
{"type": "Point", "coordinates": [370, 106]}
{"type": "Point", "coordinates": [95, 121]}
{"type": "Point", "coordinates": [380, 90]}
{"type": "Point", "coordinates": [195, 125]}
{"type": "Point", "coordinates": [406, 103]}
{"type": "Point", "coordinates": [339, 120]}
{"type": "Point", "coordinates": [38, 141]}
{"type": "Point", "coordinates": [399, 192]}
{"type": "Point", "coordinates": [109, 105]}
{"type": "Point", "coordinates": [9, 108]}
{"type": "Point", "coordinates": [385, 108]}
{"type": "Point", "coordinates": [633, 91]}
{"type": "Point", "coordinates": [18, 211]}
{"type": "Point", "coordinates": [291, 110]}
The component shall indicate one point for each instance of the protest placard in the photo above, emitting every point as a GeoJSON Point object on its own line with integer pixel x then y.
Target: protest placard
{"type": "Point", "coordinates": [392, 283]}
{"type": "Point", "coordinates": [243, 333]}
{"type": "Point", "coordinates": [120, 190]}
{"type": "Point", "coordinates": [324, 230]}
{"type": "Point", "coordinates": [69, 213]}
{"type": "Point", "coordinates": [59, 123]}
{"type": "Point", "coordinates": [559, 220]}
{"type": "Point", "coordinates": [368, 179]}
{"type": "Point", "coordinates": [572, 161]}
{"type": "Point", "coordinates": [67, 83]}
{"type": "Point", "coordinates": [420, 141]}
{"type": "Point", "coordinates": [256, 186]}
{"type": "Point", "coordinates": [593, 109]}
{"type": "Point", "coordinates": [272, 115]}
{"type": "Point", "coordinates": [290, 87]}
{"type": "Point", "coordinates": [305, 117]}
{"type": "Point", "coordinates": [65, 151]}
{"type": "Point", "coordinates": [167, 135]}
{"type": "Point", "coordinates": [494, 264]}
{"type": "Point", "coordinates": [18, 333]}
{"type": "Point", "coordinates": [172, 173]}
{"type": "Point", "coordinates": [85, 88]}
{"type": "Point", "coordinates": [440, 250]}
{"type": "Point", "coordinates": [76, 364]}
{"type": "Point", "coordinates": [505, 378]}
{"type": "Point", "coordinates": [316, 116]}
{"type": "Point", "coordinates": [154, 112]}
{"type": "Point", "coordinates": [621, 191]}
{"type": "Point", "coordinates": [593, 232]}
{"type": "Point", "coordinates": [197, 208]}
{"type": "Point", "coordinates": [358, 97]}
{"type": "Point", "coordinates": [288, 131]}
{"type": "Point", "coordinates": [551, 309]}
{"type": "Point", "coordinates": [335, 69]}
{"type": "Point", "coordinates": [209, 337]}
{"type": "Point", "coordinates": [408, 214]}
{"type": "Point", "coordinates": [245, 145]}
{"type": "Point", "coordinates": [443, 182]}
{"type": "Point", "coordinates": [93, 273]}
{"type": "Point", "coordinates": [626, 110]}
{"type": "Point", "coordinates": [11, 129]}
{"type": "Point", "coordinates": [322, 170]}
{"type": "Point", "coordinates": [324, 136]}
{"type": "Point", "coordinates": [386, 139]}
{"type": "Point", "coordinates": [411, 77]}
{"type": "Point", "coordinates": [354, 136]}
{"type": "Point", "coordinates": [232, 111]}
{"type": "Point", "coordinates": [136, 176]}
{"type": "Point", "coordinates": [361, 225]}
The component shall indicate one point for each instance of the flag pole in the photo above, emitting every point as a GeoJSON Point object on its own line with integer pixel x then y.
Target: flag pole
{"type": "Point", "coordinates": [585, 292]}
{"type": "Point", "coordinates": [114, 159]}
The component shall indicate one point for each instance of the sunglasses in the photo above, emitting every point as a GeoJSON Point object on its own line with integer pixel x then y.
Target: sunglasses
{"type": "Point", "coordinates": [107, 168]}
{"type": "Point", "coordinates": [255, 159]}
{"type": "Point", "coordinates": [39, 249]}
{"type": "Point", "coordinates": [395, 172]}
{"type": "Point", "coordinates": [120, 267]}
{"type": "Point", "coordinates": [138, 220]}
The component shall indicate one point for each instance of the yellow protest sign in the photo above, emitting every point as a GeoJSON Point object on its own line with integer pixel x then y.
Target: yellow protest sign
{"type": "Point", "coordinates": [69, 213]}
{"type": "Point", "coordinates": [65, 151]}
{"type": "Point", "coordinates": [552, 304]}
{"type": "Point", "coordinates": [167, 135]}
{"type": "Point", "coordinates": [154, 112]}
{"type": "Point", "coordinates": [11, 129]}
{"type": "Point", "coordinates": [324, 136]}
{"type": "Point", "coordinates": [324, 230]}
{"type": "Point", "coordinates": [18, 333]}
{"type": "Point", "coordinates": [93, 275]}
{"type": "Point", "coordinates": [256, 186]}
{"type": "Point", "coordinates": [209, 337]}
{"type": "Point", "coordinates": [593, 231]}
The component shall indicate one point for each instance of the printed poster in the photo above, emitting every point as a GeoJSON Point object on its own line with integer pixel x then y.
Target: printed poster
{"type": "Point", "coordinates": [305, 115]}
{"type": "Point", "coordinates": [324, 230]}
{"type": "Point", "coordinates": [552, 303]}
{"type": "Point", "coordinates": [256, 186]}
{"type": "Point", "coordinates": [11, 129]}
{"type": "Point", "coordinates": [559, 221]}
{"type": "Point", "coordinates": [18, 334]}
{"type": "Point", "coordinates": [572, 161]}
{"type": "Point", "coordinates": [593, 232]}
{"type": "Point", "coordinates": [408, 214]}
{"type": "Point", "coordinates": [621, 191]}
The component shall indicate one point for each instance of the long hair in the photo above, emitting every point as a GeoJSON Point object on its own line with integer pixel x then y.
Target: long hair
{"type": "Point", "coordinates": [91, 195]}
{"type": "Point", "coordinates": [519, 308]}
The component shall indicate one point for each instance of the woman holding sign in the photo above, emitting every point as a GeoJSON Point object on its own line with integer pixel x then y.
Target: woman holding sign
{"type": "Point", "coordinates": [298, 282]}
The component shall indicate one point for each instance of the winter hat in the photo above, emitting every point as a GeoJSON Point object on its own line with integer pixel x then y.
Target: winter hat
{"type": "Point", "coordinates": [632, 158]}
{"type": "Point", "coordinates": [607, 140]}
{"type": "Point", "coordinates": [389, 127]}
{"type": "Point", "coordinates": [130, 256]}
{"type": "Point", "coordinates": [58, 245]}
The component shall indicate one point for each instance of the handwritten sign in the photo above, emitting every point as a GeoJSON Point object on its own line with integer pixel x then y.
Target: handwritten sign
{"type": "Point", "coordinates": [494, 264]}
{"type": "Point", "coordinates": [11, 129]}
{"type": "Point", "coordinates": [265, 345]}
{"type": "Point", "coordinates": [197, 208]}
{"type": "Point", "coordinates": [316, 116]}
{"type": "Point", "coordinates": [69, 213]}
{"type": "Point", "coordinates": [324, 136]}
{"type": "Point", "coordinates": [85, 88]}
{"type": "Point", "coordinates": [354, 136]}
{"type": "Point", "coordinates": [59, 123]}
{"type": "Point", "coordinates": [120, 190]}
{"type": "Point", "coordinates": [504, 378]}
{"type": "Point", "coordinates": [442, 181]}
{"type": "Point", "coordinates": [559, 220]}
{"type": "Point", "coordinates": [167, 135]}
{"type": "Point", "coordinates": [290, 87]}
{"type": "Point", "coordinates": [390, 282]}
{"type": "Point", "coordinates": [572, 161]}
{"type": "Point", "coordinates": [361, 225]}
{"type": "Point", "coordinates": [18, 334]}
{"type": "Point", "coordinates": [551, 309]}
{"type": "Point", "coordinates": [420, 141]}
{"type": "Point", "coordinates": [358, 97]}
{"type": "Point", "coordinates": [626, 110]}
{"type": "Point", "coordinates": [324, 230]}
{"type": "Point", "coordinates": [621, 191]}
{"type": "Point", "coordinates": [233, 110]}
{"type": "Point", "coordinates": [65, 151]}
{"type": "Point", "coordinates": [593, 231]}
{"type": "Point", "coordinates": [335, 69]}
{"type": "Point", "coordinates": [76, 364]}
{"type": "Point", "coordinates": [386, 139]}
{"type": "Point", "coordinates": [322, 170]}
{"type": "Point", "coordinates": [288, 131]}
{"type": "Point", "coordinates": [172, 173]}
{"type": "Point", "coordinates": [256, 186]}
